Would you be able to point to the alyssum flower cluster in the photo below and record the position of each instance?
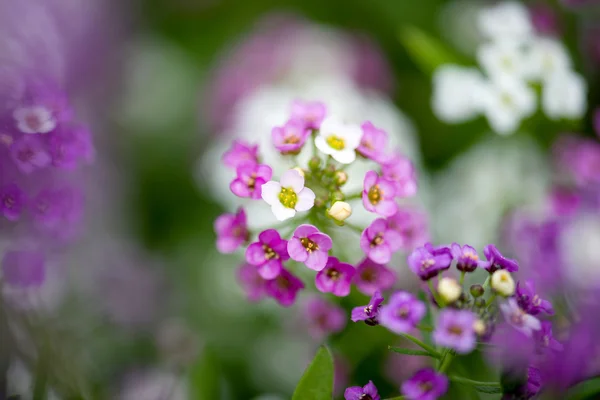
(313, 197)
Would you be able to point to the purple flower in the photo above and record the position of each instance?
(309, 246)
(58, 211)
(412, 226)
(534, 382)
(309, 113)
(23, 268)
(240, 153)
(401, 171)
(323, 318)
(68, 146)
(367, 392)
(249, 180)
(426, 384)
(466, 258)
(231, 230)
(373, 143)
(335, 278)
(402, 313)
(518, 318)
(427, 262)
(268, 253)
(529, 301)
(29, 154)
(284, 288)
(379, 241)
(545, 339)
(12, 201)
(498, 261)
(379, 194)
(371, 277)
(454, 329)
(369, 312)
(290, 138)
(251, 281)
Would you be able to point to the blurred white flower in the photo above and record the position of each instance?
(564, 95)
(504, 58)
(506, 102)
(448, 82)
(547, 56)
(505, 20)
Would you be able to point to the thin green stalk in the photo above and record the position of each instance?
(462, 277)
(41, 379)
(486, 283)
(446, 361)
(411, 352)
(434, 292)
(421, 344)
(354, 196)
(490, 300)
(460, 379)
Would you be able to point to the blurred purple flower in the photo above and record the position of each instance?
(323, 317)
(12, 201)
(30, 154)
(231, 230)
(518, 318)
(529, 301)
(454, 329)
(240, 153)
(290, 138)
(335, 278)
(400, 170)
(545, 339)
(498, 261)
(284, 288)
(369, 312)
(426, 384)
(367, 392)
(427, 262)
(22, 268)
(371, 277)
(251, 281)
(379, 241)
(402, 313)
(249, 180)
(308, 113)
(373, 143)
(412, 225)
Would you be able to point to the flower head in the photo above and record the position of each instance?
(369, 312)
(12, 201)
(379, 194)
(290, 138)
(506, 102)
(289, 196)
(367, 392)
(284, 288)
(35, 119)
(531, 302)
(373, 142)
(518, 318)
(402, 313)
(232, 231)
(400, 170)
(412, 226)
(498, 261)
(309, 246)
(22, 268)
(502, 283)
(251, 281)
(427, 262)
(335, 278)
(454, 329)
(29, 154)
(68, 146)
(371, 277)
(426, 384)
(449, 289)
(240, 153)
(379, 241)
(338, 140)
(323, 317)
(466, 258)
(545, 340)
(309, 113)
(340, 210)
(268, 253)
(250, 179)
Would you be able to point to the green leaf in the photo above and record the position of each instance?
(488, 389)
(589, 389)
(426, 51)
(317, 381)
(483, 387)
(204, 377)
(412, 352)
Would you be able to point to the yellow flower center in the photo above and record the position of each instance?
(377, 240)
(333, 274)
(455, 330)
(269, 253)
(336, 142)
(375, 194)
(291, 139)
(288, 197)
(309, 245)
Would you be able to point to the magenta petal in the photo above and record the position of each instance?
(353, 393)
(270, 237)
(228, 244)
(305, 230)
(377, 226)
(256, 193)
(370, 180)
(255, 254)
(365, 242)
(386, 208)
(387, 187)
(270, 269)
(367, 203)
(358, 314)
(380, 254)
(323, 283)
(322, 240)
(316, 260)
(223, 224)
(239, 188)
(297, 251)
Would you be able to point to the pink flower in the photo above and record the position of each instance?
(379, 195)
(284, 288)
(254, 285)
(290, 138)
(69, 146)
(310, 247)
(309, 113)
(12, 201)
(412, 226)
(268, 253)
(58, 211)
(379, 241)
(335, 278)
(373, 142)
(249, 180)
(29, 154)
(23, 268)
(371, 277)
(401, 171)
(240, 153)
(232, 231)
(323, 317)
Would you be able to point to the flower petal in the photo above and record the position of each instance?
(296, 250)
(306, 200)
(292, 179)
(345, 156)
(305, 230)
(281, 212)
(255, 254)
(270, 270)
(270, 192)
(323, 146)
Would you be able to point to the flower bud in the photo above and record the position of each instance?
(340, 210)
(449, 289)
(479, 327)
(477, 290)
(480, 302)
(300, 171)
(330, 170)
(340, 178)
(503, 283)
(314, 163)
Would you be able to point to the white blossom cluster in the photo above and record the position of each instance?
(516, 66)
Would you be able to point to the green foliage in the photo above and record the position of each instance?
(317, 381)
(425, 50)
(204, 377)
(412, 352)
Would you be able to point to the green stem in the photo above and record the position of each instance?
(462, 277)
(486, 283)
(434, 292)
(421, 344)
(353, 196)
(490, 300)
(41, 379)
(425, 328)
(460, 379)
(356, 228)
(446, 361)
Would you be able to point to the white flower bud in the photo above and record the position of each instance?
(340, 210)
(449, 289)
(503, 283)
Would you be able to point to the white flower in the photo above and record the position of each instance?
(508, 19)
(504, 58)
(449, 289)
(339, 140)
(456, 91)
(289, 196)
(503, 283)
(506, 102)
(340, 210)
(518, 318)
(547, 56)
(479, 327)
(564, 96)
(36, 119)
